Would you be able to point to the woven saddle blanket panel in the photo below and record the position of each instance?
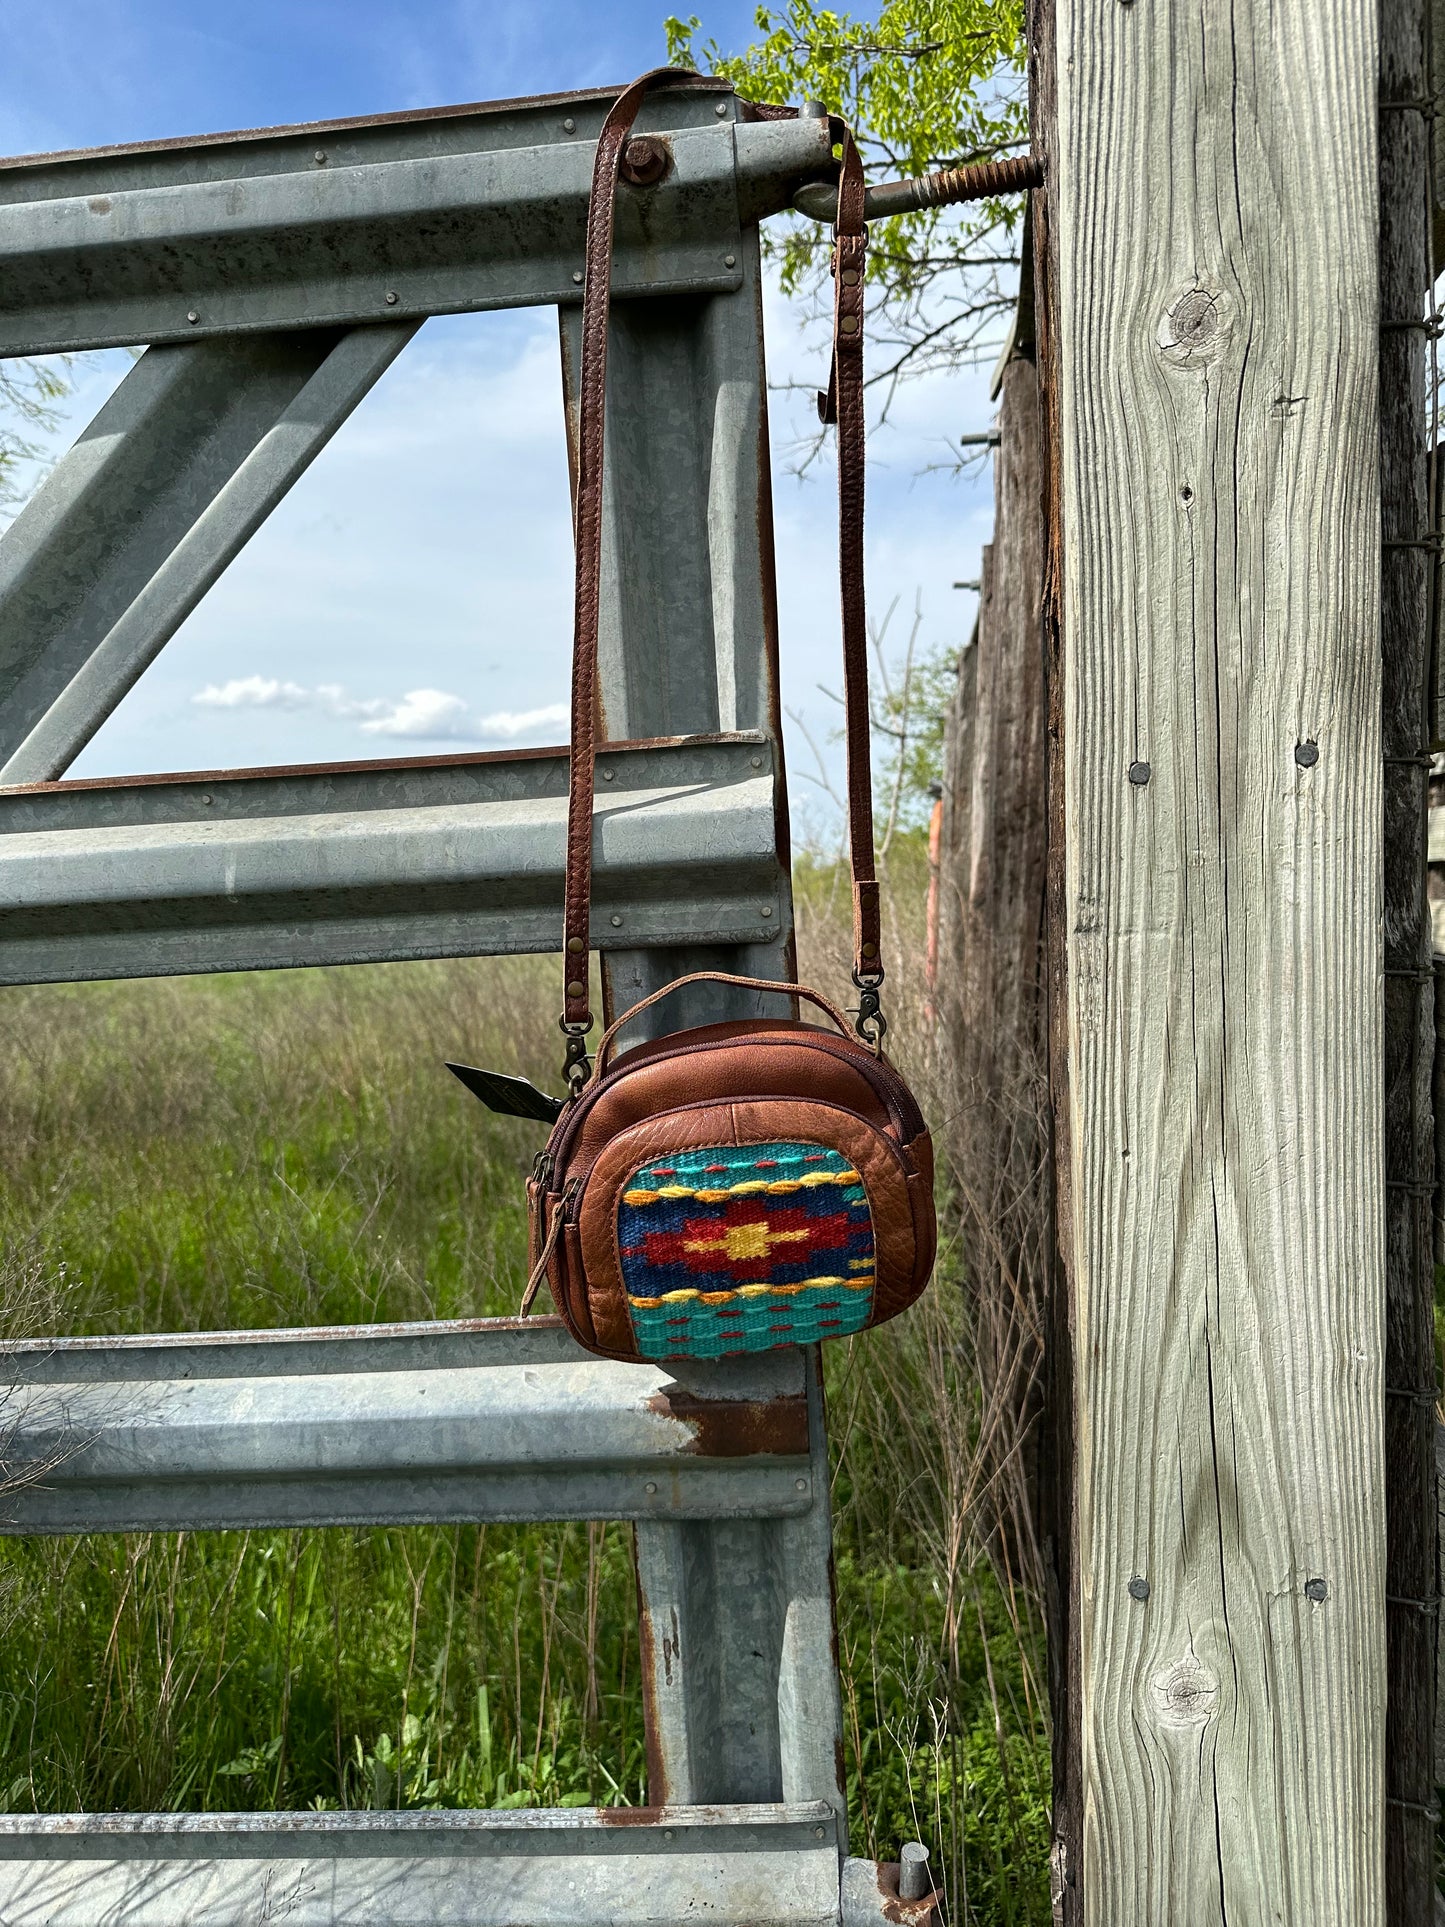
(743, 1248)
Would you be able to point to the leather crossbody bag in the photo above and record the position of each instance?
(742, 1186)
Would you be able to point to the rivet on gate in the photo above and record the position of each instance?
(569, 126)
(576, 990)
(730, 260)
(766, 911)
(574, 944)
(608, 775)
(756, 761)
(320, 157)
(192, 316)
(667, 1833)
(650, 1489)
(205, 799)
(820, 1833)
(800, 1485)
(617, 923)
(391, 297)
(720, 109)
(577, 276)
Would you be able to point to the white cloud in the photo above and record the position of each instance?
(254, 692)
(432, 714)
(425, 715)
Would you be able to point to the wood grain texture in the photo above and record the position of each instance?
(1215, 214)
(990, 993)
(1405, 569)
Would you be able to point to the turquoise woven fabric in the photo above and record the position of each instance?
(743, 1248)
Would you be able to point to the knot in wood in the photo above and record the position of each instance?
(1195, 325)
(1186, 1693)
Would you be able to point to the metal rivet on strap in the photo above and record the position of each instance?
(849, 324)
(574, 944)
(576, 990)
(850, 277)
(870, 950)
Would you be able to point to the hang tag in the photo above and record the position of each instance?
(511, 1096)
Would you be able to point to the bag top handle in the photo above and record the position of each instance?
(605, 1043)
(843, 404)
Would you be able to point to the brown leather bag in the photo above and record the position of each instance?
(735, 1187)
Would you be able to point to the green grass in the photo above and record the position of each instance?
(261, 1151)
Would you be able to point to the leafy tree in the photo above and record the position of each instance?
(926, 84)
(29, 393)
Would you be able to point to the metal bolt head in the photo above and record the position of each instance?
(609, 775)
(730, 260)
(720, 109)
(800, 1485)
(192, 316)
(205, 799)
(650, 1489)
(1317, 1590)
(820, 1833)
(577, 276)
(645, 160)
(569, 126)
(766, 911)
(320, 157)
(756, 761)
(616, 923)
(1138, 1588)
(1307, 754)
(391, 297)
(1139, 774)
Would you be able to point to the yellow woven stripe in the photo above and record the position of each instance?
(749, 1291)
(774, 1188)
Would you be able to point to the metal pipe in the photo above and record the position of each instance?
(914, 1879)
(979, 182)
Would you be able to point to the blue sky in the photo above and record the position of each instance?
(371, 582)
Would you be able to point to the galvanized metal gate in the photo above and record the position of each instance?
(276, 275)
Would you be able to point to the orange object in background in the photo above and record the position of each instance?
(935, 838)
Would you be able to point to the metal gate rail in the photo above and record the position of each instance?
(277, 275)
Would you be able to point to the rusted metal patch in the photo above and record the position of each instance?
(308, 129)
(903, 1913)
(725, 1428)
(630, 1816)
(646, 159)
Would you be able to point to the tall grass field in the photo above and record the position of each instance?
(287, 1149)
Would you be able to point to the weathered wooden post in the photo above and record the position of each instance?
(990, 996)
(1210, 273)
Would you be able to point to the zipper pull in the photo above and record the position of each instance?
(554, 1229)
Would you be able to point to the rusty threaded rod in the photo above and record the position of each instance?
(979, 182)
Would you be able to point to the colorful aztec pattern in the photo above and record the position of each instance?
(743, 1248)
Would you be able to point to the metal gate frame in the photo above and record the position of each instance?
(275, 276)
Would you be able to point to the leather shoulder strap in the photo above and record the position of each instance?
(846, 385)
(845, 405)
